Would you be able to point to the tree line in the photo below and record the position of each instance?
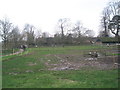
(68, 33)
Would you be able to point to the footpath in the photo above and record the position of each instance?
(20, 51)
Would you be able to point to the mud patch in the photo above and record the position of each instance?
(77, 62)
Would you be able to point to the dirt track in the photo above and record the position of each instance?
(15, 53)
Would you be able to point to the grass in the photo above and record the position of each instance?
(20, 71)
(63, 79)
(9, 51)
(12, 56)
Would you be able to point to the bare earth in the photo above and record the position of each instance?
(77, 62)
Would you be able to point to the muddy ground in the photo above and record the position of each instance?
(83, 61)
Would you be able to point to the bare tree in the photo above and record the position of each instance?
(114, 7)
(104, 24)
(5, 29)
(109, 12)
(63, 25)
(29, 29)
(77, 29)
(15, 37)
(38, 35)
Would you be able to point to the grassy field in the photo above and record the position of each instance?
(35, 68)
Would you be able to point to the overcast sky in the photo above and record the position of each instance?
(44, 14)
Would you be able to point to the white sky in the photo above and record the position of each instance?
(44, 14)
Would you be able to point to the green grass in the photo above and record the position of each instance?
(63, 79)
(116, 54)
(12, 56)
(9, 51)
(19, 73)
